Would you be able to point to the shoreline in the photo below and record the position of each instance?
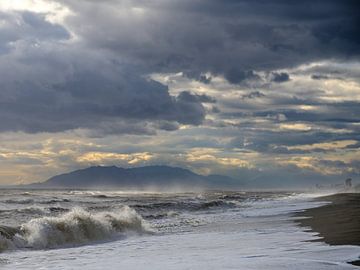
(337, 223)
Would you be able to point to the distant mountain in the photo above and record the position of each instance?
(149, 177)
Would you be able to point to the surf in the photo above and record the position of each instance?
(76, 227)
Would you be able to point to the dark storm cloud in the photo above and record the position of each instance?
(168, 126)
(319, 77)
(325, 77)
(51, 82)
(255, 94)
(237, 76)
(290, 106)
(321, 126)
(280, 77)
(274, 142)
(346, 111)
(88, 99)
(29, 25)
(198, 76)
(232, 38)
(50, 86)
(189, 97)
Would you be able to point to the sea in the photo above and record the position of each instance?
(88, 229)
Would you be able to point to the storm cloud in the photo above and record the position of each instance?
(232, 38)
(52, 85)
(59, 76)
(238, 87)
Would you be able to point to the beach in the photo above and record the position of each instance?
(337, 223)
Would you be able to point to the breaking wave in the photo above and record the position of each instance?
(73, 228)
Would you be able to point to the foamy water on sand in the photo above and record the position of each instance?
(112, 230)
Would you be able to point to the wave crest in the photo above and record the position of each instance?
(75, 227)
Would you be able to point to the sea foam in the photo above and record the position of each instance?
(74, 228)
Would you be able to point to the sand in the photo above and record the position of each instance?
(337, 223)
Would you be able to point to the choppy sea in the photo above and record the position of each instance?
(77, 229)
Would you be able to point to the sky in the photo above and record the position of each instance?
(267, 92)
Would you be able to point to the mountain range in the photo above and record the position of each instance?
(148, 177)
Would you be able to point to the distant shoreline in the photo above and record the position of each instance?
(337, 223)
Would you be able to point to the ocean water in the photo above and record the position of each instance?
(69, 229)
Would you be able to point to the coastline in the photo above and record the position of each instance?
(337, 223)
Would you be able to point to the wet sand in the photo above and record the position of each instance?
(337, 223)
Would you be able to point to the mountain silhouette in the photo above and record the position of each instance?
(159, 177)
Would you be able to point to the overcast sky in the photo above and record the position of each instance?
(264, 91)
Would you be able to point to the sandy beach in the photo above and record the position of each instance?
(337, 223)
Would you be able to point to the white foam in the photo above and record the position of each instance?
(270, 245)
(75, 227)
(259, 236)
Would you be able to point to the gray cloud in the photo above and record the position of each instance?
(254, 94)
(28, 27)
(60, 86)
(87, 99)
(93, 72)
(234, 38)
(198, 77)
(280, 77)
(51, 87)
(237, 76)
(319, 77)
(186, 96)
